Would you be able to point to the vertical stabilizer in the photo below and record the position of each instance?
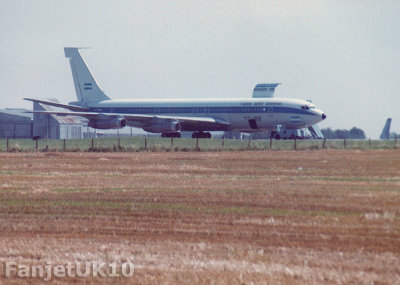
(385, 135)
(264, 90)
(86, 86)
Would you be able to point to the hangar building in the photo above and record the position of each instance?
(15, 123)
(56, 127)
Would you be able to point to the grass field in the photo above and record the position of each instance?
(278, 217)
(135, 144)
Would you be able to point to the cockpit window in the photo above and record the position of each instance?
(308, 107)
(305, 107)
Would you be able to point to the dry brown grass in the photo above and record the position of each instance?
(304, 217)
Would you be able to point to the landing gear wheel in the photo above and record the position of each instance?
(201, 135)
(171, 135)
(277, 137)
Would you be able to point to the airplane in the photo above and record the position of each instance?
(169, 117)
(385, 135)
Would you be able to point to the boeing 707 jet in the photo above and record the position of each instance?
(169, 117)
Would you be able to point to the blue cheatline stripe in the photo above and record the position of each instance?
(264, 89)
(199, 110)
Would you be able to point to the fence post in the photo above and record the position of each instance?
(64, 144)
(145, 143)
(344, 143)
(223, 142)
(395, 141)
(119, 143)
(37, 144)
(295, 143)
(248, 144)
(7, 144)
(270, 142)
(323, 144)
(172, 141)
(197, 143)
(369, 142)
(92, 143)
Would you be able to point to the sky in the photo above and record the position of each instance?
(342, 55)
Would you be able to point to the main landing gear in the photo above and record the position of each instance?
(171, 135)
(201, 135)
(275, 135)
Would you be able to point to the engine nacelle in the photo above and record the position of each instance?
(164, 127)
(116, 123)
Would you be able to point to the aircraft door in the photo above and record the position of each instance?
(270, 111)
(253, 124)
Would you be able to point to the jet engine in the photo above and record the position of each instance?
(163, 127)
(112, 123)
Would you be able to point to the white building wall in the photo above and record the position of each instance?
(71, 132)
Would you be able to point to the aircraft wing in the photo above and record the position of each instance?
(148, 120)
(87, 115)
(184, 120)
(69, 107)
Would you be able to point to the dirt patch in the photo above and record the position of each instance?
(301, 217)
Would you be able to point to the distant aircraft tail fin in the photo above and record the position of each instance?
(264, 90)
(86, 86)
(385, 135)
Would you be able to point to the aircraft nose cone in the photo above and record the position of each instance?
(323, 116)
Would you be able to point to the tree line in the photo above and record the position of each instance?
(353, 133)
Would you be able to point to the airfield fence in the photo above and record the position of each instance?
(134, 144)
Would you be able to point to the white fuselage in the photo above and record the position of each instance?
(168, 117)
(244, 115)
